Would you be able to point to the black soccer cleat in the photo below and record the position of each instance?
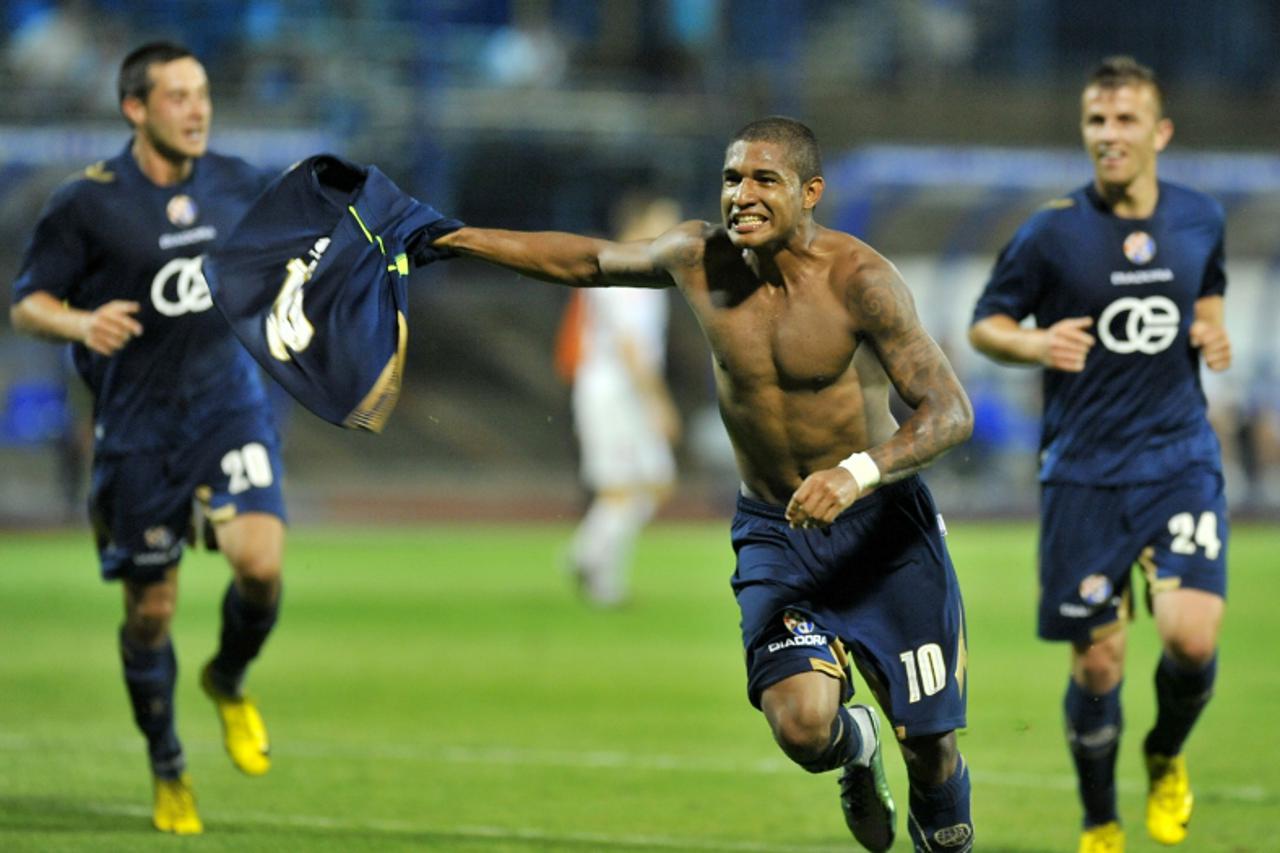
(865, 798)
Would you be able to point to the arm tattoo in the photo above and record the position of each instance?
(942, 416)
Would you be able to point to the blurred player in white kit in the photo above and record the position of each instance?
(625, 419)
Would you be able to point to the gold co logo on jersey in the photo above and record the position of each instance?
(287, 326)
(181, 210)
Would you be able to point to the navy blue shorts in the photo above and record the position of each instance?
(878, 583)
(141, 503)
(1091, 536)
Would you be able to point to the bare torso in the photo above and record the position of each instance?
(799, 389)
(807, 337)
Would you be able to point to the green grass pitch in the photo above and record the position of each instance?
(441, 688)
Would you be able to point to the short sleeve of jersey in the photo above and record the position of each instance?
(56, 256)
(1016, 281)
(1215, 274)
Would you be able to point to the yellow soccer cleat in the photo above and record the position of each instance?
(1169, 798)
(243, 731)
(175, 807)
(1103, 838)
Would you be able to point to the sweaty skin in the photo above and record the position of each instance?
(808, 327)
(803, 363)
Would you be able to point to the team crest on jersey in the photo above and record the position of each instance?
(1139, 248)
(1095, 589)
(796, 623)
(181, 210)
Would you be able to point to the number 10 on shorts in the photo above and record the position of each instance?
(926, 670)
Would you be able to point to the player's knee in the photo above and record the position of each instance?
(931, 759)
(258, 581)
(1099, 667)
(804, 733)
(254, 546)
(1099, 677)
(1193, 651)
(147, 623)
(255, 567)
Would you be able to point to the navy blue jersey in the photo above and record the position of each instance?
(110, 233)
(1136, 413)
(314, 283)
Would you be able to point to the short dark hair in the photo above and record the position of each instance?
(799, 141)
(1116, 71)
(134, 79)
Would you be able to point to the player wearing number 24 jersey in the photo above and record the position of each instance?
(1136, 414)
(114, 268)
(1125, 279)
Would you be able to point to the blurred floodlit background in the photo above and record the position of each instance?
(944, 124)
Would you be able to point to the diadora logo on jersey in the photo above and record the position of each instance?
(799, 640)
(179, 288)
(1139, 248)
(1155, 276)
(287, 325)
(181, 210)
(176, 239)
(796, 623)
(1131, 324)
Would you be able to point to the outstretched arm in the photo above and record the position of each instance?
(571, 259)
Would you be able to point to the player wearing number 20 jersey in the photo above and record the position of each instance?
(110, 233)
(184, 395)
(114, 268)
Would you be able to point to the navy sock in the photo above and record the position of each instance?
(940, 815)
(1181, 695)
(842, 748)
(245, 626)
(1094, 724)
(150, 675)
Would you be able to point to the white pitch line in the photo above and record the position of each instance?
(588, 760)
(590, 840)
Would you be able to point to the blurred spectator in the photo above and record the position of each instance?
(525, 56)
(61, 55)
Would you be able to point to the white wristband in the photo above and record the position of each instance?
(864, 470)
